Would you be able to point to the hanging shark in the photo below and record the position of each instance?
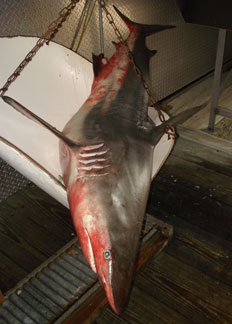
(106, 156)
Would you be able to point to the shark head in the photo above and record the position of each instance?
(107, 198)
(105, 234)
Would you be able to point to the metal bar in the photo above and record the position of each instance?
(217, 77)
(79, 265)
(21, 316)
(43, 299)
(101, 27)
(54, 286)
(28, 310)
(50, 294)
(8, 316)
(223, 111)
(85, 279)
(83, 14)
(66, 285)
(37, 305)
(66, 275)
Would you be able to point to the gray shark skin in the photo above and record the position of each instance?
(108, 176)
(106, 155)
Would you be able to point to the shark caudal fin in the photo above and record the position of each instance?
(146, 29)
(29, 114)
(173, 121)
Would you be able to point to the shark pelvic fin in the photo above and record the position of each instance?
(29, 114)
(146, 29)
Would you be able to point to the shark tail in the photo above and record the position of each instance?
(146, 29)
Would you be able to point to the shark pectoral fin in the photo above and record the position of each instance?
(29, 114)
(147, 29)
(156, 133)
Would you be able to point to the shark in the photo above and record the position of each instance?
(106, 156)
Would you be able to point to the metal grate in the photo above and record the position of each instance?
(10, 181)
(184, 53)
(59, 282)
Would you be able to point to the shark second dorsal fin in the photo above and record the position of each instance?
(29, 114)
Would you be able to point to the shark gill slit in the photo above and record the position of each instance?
(94, 160)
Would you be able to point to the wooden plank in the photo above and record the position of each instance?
(213, 297)
(224, 129)
(184, 284)
(199, 206)
(187, 291)
(143, 307)
(200, 249)
(19, 255)
(201, 119)
(45, 202)
(206, 179)
(224, 111)
(199, 94)
(214, 145)
(52, 215)
(33, 226)
(8, 280)
(22, 222)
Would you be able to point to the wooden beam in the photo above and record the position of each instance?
(205, 139)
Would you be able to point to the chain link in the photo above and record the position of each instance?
(168, 129)
(51, 32)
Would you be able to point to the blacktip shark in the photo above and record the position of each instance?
(106, 155)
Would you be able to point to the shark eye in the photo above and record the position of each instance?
(107, 254)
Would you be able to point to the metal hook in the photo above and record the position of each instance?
(101, 27)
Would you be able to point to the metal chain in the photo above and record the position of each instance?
(168, 129)
(53, 29)
(51, 32)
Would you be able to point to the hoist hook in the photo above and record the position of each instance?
(101, 27)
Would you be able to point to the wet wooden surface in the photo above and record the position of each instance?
(189, 282)
(33, 226)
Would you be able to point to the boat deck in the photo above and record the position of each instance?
(191, 280)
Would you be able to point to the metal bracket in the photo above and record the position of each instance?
(217, 87)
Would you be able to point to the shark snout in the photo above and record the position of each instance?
(114, 275)
(115, 280)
